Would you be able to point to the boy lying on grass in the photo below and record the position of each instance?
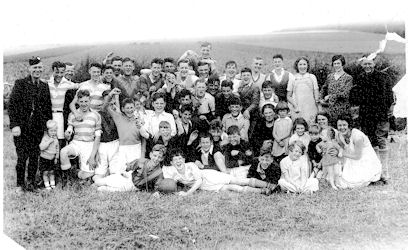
(191, 176)
(142, 174)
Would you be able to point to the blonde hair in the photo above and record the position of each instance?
(52, 124)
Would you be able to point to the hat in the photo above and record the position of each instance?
(281, 106)
(34, 60)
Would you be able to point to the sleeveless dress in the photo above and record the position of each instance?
(303, 88)
(361, 172)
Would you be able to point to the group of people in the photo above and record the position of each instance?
(184, 125)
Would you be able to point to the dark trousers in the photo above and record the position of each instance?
(376, 131)
(27, 148)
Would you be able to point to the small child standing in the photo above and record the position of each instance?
(281, 132)
(314, 156)
(295, 171)
(49, 154)
(331, 163)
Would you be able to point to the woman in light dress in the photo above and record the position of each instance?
(303, 92)
(361, 165)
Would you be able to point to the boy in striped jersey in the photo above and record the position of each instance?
(95, 88)
(86, 139)
(59, 85)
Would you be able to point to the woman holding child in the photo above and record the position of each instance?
(361, 164)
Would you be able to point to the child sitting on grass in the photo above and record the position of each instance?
(191, 176)
(238, 153)
(266, 169)
(331, 164)
(295, 171)
(49, 154)
(143, 174)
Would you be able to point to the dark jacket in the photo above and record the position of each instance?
(373, 93)
(272, 173)
(30, 106)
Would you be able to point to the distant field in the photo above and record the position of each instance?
(330, 42)
(319, 46)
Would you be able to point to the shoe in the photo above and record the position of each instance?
(48, 188)
(266, 191)
(31, 188)
(277, 189)
(377, 183)
(19, 190)
(384, 181)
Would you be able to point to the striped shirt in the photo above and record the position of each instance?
(96, 91)
(85, 129)
(57, 92)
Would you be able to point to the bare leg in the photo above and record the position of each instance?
(52, 179)
(46, 180)
(241, 189)
(330, 176)
(337, 170)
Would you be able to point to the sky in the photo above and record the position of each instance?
(50, 22)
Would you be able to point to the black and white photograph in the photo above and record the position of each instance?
(204, 124)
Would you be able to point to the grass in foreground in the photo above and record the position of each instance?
(372, 217)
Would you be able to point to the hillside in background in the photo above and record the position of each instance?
(379, 27)
(317, 45)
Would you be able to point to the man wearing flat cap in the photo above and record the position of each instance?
(29, 110)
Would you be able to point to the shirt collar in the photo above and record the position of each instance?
(210, 151)
(236, 118)
(286, 118)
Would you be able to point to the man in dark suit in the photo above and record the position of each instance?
(29, 110)
(372, 94)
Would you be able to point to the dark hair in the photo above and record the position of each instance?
(184, 93)
(205, 134)
(234, 100)
(339, 57)
(346, 117)
(233, 130)
(57, 65)
(227, 83)
(322, 113)
(231, 62)
(126, 101)
(278, 56)
(107, 67)
(176, 152)
(128, 59)
(158, 95)
(213, 79)
(268, 105)
(215, 124)
(96, 65)
(246, 69)
(297, 143)
(268, 84)
(202, 63)
(83, 93)
(169, 59)
(295, 66)
(300, 121)
(116, 58)
(186, 107)
(157, 61)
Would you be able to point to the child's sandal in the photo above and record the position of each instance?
(52, 186)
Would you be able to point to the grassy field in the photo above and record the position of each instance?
(375, 217)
